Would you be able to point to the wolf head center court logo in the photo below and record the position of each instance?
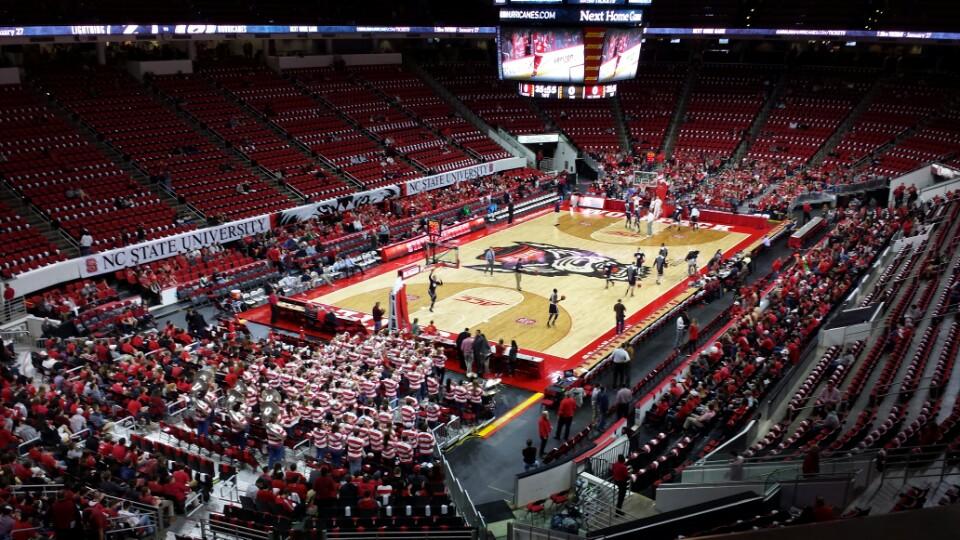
(548, 260)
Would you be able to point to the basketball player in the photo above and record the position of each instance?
(664, 251)
(628, 214)
(640, 258)
(677, 215)
(652, 216)
(432, 289)
(692, 263)
(518, 272)
(609, 275)
(490, 256)
(656, 206)
(660, 263)
(632, 274)
(554, 311)
(695, 218)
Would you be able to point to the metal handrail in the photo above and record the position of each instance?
(216, 530)
(526, 531)
(461, 499)
(12, 310)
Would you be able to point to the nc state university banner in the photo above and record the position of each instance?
(154, 250)
(449, 178)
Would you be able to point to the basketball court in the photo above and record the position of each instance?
(566, 251)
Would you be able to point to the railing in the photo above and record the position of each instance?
(898, 467)
(17, 335)
(461, 499)
(25, 446)
(761, 468)
(38, 489)
(152, 514)
(599, 464)
(449, 432)
(596, 499)
(214, 530)
(398, 535)
(228, 491)
(853, 483)
(12, 310)
(525, 531)
(149, 526)
(731, 442)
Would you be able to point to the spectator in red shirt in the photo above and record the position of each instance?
(543, 427)
(621, 477)
(367, 502)
(822, 511)
(119, 451)
(96, 518)
(8, 295)
(325, 488)
(64, 518)
(565, 417)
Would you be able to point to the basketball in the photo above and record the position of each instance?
(563, 297)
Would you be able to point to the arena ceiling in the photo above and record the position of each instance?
(843, 14)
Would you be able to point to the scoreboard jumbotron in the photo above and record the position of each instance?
(569, 49)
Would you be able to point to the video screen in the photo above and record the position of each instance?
(541, 55)
(621, 54)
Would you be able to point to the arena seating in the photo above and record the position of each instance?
(234, 123)
(394, 127)
(890, 113)
(318, 125)
(23, 248)
(649, 102)
(71, 299)
(52, 166)
(937, 139)
(413, 95)
(163, 146)
(732, 386)
(882, 406)
(723, 103)
(360, 409)
(590, 125)
(813, 104)
(496, 102)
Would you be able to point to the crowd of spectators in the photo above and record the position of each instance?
(722, 385)
(71, 299)
(365, 404)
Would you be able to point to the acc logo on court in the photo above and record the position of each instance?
(479, 301)
(526, 321)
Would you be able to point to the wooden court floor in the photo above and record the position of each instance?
(564, 251)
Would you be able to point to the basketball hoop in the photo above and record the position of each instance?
(440, 254)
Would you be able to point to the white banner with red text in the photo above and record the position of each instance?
(449, 178)
(161, 248)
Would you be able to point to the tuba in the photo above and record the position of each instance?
(201, 382)
(269, 412)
